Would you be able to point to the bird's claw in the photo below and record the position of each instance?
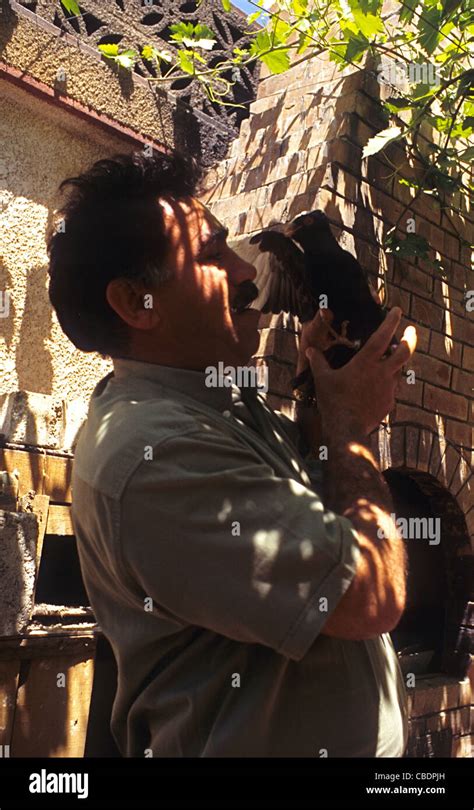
(341, 339)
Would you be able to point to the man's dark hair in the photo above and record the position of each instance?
(112, 227)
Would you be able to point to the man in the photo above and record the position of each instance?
(247, 592)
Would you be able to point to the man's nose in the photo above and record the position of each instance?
(241, 271)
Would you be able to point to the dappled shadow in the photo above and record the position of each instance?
(33, 357)
(7, 321)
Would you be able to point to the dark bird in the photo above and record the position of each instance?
(301, 268)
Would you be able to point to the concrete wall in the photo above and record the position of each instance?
(49, 131)
(301, 149)
(39, 150)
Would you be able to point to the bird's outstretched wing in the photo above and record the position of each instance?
(280, 279)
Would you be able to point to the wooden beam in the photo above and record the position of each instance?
(45, 474)
(9, 671)
(48, 643)
(53, 701)
(59, 521)
(40, 509)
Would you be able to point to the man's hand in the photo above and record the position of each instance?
(314, 334)
(361, 393)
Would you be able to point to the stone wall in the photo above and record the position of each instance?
(301, 149)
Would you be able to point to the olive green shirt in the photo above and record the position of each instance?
(212, 566)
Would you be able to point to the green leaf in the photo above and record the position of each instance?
(261, 42)
(126, 59)
(110, 50)
(407, 10)
(468, 154)
(185, 61)
(193, 36)
(151, 53)
(366, 6)
(226, 5)
(466, 83)
(181, 30)
(403, 181)
(276, 61)
(381, 140)
(280, 31)
(412, 246)
(450, 6)
(429, 25)
(71, 7)
(368, 24)
(203, 38)
(395, 103)
(303, 43)
(423, 91)
(356, 47)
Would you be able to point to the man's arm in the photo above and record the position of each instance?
(351, 402)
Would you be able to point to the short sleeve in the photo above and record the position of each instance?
(215, 538)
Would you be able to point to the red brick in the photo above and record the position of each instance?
(445, 402)
(451, 247)
(437, 451)
(412, 438)
(342, 151)
(426, 312)
(449, 464)
(399, 298)
(468, 358)
(463, 382)
(410, 393)
(418, 416)
(397, 446)
(465, 495)
(436, 238)
(424, 449)
(279, 344)
(466, 255)
(279, 378)
(431, 369)
(413, 278)
(460, 432)
(462, 328)
(458, 274)
(446, 348)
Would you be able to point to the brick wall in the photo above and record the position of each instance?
(300, 149)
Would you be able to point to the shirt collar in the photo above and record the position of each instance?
(185, 381)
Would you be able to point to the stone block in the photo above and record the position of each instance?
(30, 418)
(18, 540)
(74, 415)
(40, 420)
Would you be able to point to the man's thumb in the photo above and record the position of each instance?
(317, 360)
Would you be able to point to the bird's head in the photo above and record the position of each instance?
(307, 225)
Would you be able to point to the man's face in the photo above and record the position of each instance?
(196, 321)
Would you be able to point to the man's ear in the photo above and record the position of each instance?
(133, 302)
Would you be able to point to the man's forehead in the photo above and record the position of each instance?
(192, 215)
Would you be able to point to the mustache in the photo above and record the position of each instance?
(246, 293)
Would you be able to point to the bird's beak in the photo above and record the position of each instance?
(246, 293)
(290, 230)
